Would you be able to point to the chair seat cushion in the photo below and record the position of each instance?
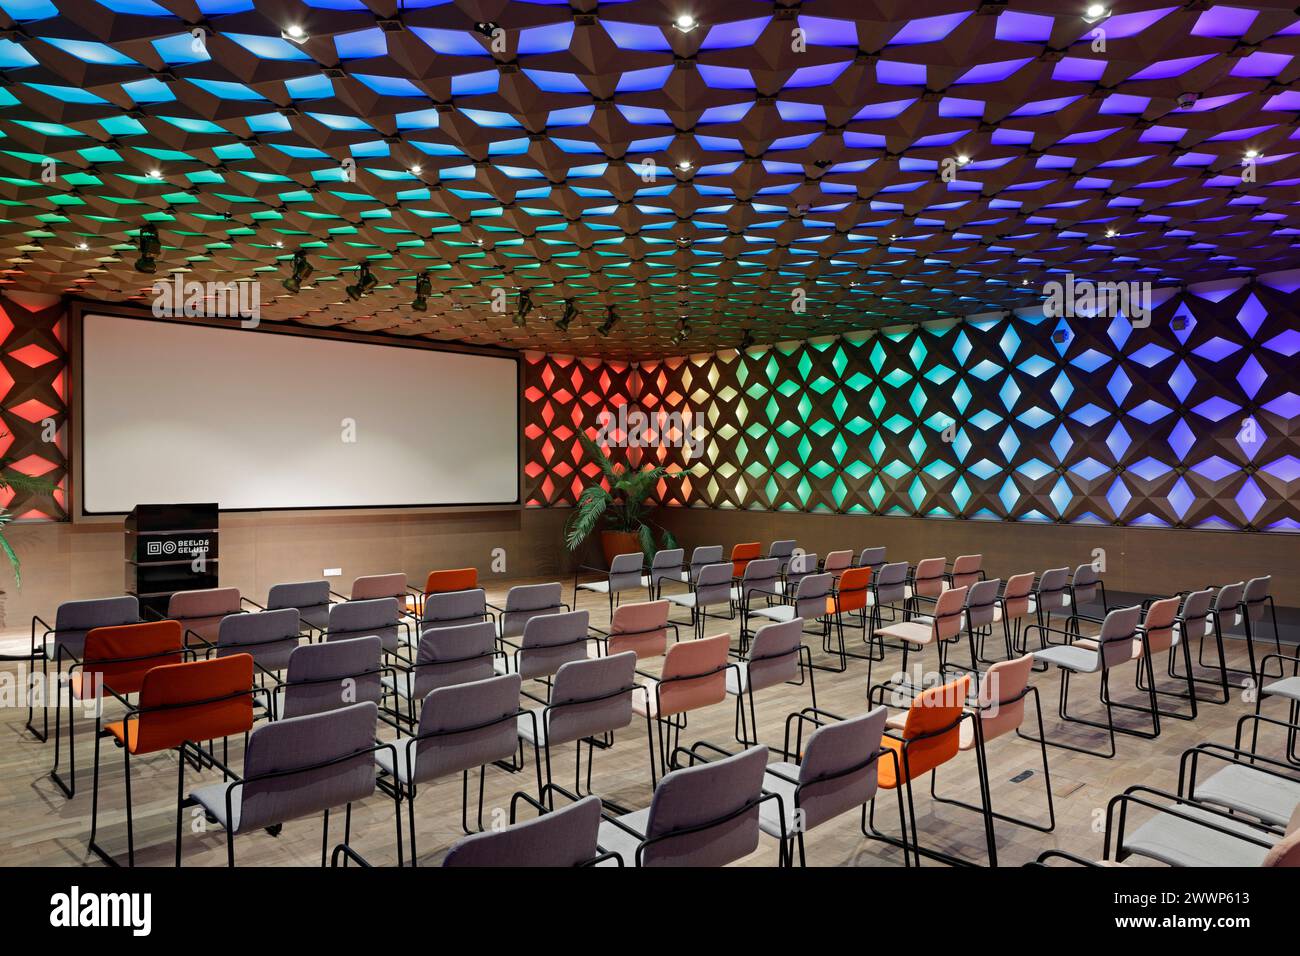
(684, 600)
(1179, 842)
(600, 587)
(212, 798)
(913, 632)
(1288, 687)
(1252, 791)
(613, 839)
(769, 818)
(777, 612)
(738, 678)
(1077, 659)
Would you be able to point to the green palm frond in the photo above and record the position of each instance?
(26, 484)
(591, 506)
(8, 549)
(599, 457)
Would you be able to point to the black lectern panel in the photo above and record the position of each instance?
(170, 548)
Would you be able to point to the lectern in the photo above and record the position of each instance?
(170, 548)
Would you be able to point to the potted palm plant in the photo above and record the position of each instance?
(11, 480)
(621, 508)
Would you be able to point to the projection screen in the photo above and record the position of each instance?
(256, 420)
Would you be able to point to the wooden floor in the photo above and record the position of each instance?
(38, 826)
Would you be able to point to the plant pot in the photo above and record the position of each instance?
(614, 543)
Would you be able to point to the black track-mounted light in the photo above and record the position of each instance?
(302, 270)
(149, 246)
(365, 283)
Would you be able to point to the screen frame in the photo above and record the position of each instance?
(80, 309)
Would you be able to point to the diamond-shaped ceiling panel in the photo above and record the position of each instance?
(754, 172)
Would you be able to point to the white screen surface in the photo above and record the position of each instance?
(256, 420)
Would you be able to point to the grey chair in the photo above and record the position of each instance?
(445, 656)
(380, 617)
(1085, 588)
(705, 815)
(1113, 646)
(66, 641)
(834, 772)
(624, 575)
(324, 677)
(782, 550)
(837, 562)
(524, 602)
(590, 699)
(978, 617)
(808, 602)
(711, 588)
(873, 558)
(799, 566)
(549, 641)
(1255, 602)
(1050, 595)
(776, 656)
(759, 586)
(701, 558)
(556, 838)
(666, 565)
(453, 609)
(270, 637)
(463, 727)
(295, 768)
(311, 599)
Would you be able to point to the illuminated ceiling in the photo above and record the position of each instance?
(603, 153)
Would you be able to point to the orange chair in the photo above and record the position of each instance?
(115, 658)
(927, 736)
(443, 582)
(852, 595)
(741, 555)
(694, 676)
(180, 706)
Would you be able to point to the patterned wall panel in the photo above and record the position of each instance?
(1192, 421)
(33, 399)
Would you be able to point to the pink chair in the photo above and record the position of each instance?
(371, 586)
(966, 570)
(200, 613)
(642, 627)
(694, 676)
(944, 624)
(927, 581)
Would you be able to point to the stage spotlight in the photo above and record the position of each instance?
(149, 246)
(611, 319)
(365, 283)
(683, 330)
(423, 286)
(570, 313)
(302, 270)
(525, 306)
(746, 340)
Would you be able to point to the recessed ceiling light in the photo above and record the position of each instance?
(963, 159)
(1252, 153)
(1110, 233)
(1095, 11)
(686, 23)
(155, 174)
(416, 169)
(82, 246)
(295, 32)
(684, 165)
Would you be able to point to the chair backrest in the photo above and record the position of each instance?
(453, 655)
(811, 593)
(713, 586)
(838, 561)
(932, 727)
(1084, 584)
(838, 769)
(891, 583)
(760, 578)
(591, 697)
(774, 654)
(947, 613)
(742, 554)
(323, 677)
(855, 583)
(694, 675)
(551, 640)
(981, 601)
(453, 579)
(798, 567)
(1196, 606)
(377, 617)
(703, 556)
(306, 765)
(966, 569)
(1118, 631)
(1255, 596)
(625, 571)
(782, 551)
(270, 636)
(368, 587)
(311, 599)
(453, 609)
(1285, 852)
(1227, 599)
(1001, 696)
(474, 724)
(562, 837)
(1015, 597)
(195, 701)
(873, 558)
(1052, 589)
(75, 619)
(1159, 624)
(706, 815)
(201, 611)
(666, 564)
(641, 628)
(927, 579)
(122, 654)
(525, 601)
